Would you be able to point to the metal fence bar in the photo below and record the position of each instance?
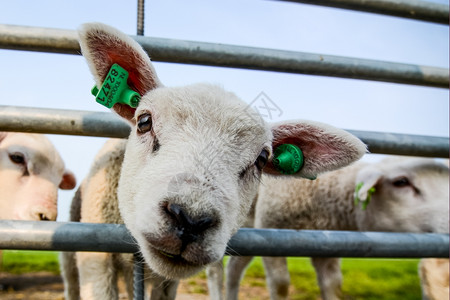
(412, 9)
(60, 121)
(138, 277)
(140, 17)
(190, 52)
(63, 236)
(102, 124)
(404, 144)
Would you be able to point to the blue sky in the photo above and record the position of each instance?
(64, 81)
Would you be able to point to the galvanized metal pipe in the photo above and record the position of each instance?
(276, 242)
(62, 236)
(140, 17)
(412, 9)
(71, 122)
(189, 52)
(404, 144)
(138, 277)
(59, 121)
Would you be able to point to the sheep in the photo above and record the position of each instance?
(185, 179)
(434, 278)
(31, 171)
(406, 195)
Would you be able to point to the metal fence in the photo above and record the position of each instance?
(115, 238)
(189, 52)
(70, 236)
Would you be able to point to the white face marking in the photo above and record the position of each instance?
(205, 164)
(30, 173)
(206, 138)
(411, 196)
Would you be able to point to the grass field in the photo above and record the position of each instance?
(19, 262)
(363, 278)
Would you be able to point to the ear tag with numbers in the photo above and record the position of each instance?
(115, 89)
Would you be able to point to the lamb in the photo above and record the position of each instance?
(31, 171)
(434, 278)
(185, 179)
(406, 195)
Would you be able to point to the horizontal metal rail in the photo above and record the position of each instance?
(404, 144)
(102, 124)
(190, 52)
(60, 121)
(412, 9)
(66, 236)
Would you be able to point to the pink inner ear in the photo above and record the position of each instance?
(68, 181)
(125, 111)
(110, 50)
(3, 135)
(135, 80)
(307, 138)
(324, 148)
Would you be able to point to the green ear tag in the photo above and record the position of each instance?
(369, 196)
(288, 159)
(115, 89)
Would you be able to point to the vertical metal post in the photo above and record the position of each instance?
(138, 268)
(140, 17)
(138, 277)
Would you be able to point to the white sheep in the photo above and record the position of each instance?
(31, 171)
(406, 195)
(191, 168)
(434, 278)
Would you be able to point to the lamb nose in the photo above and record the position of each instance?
(186, 228)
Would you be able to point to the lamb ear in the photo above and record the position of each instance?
(325, 148)
(68, 181)
(365, 183)
(102, 46)
(3, 135)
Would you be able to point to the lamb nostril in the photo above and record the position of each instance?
(204, 224)
(178, 214)
(186, 228)
(43, 217)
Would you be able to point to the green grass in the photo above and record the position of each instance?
(363, 278)
(19, 262)
(381, 279)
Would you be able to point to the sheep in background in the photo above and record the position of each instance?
(434, 278)
(31, 171)
(406, 195)
(191, 168)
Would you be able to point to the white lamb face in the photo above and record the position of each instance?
(201, 155)
(31, 170)
(411, 195)
(195, 156)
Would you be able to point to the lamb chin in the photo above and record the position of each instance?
(170, 266)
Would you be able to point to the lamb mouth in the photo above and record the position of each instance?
(169, 257)
(188, 256)
(167, 254)
(173, 257)
(176, 259)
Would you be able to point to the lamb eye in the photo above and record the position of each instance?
(401, 182)
(144, 123)
(17, 158)
(262, 159)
